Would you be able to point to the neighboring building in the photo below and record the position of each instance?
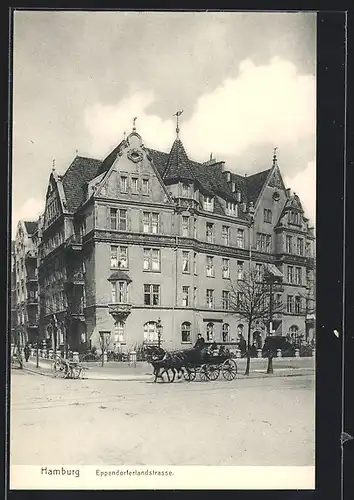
(25, 296)
(145, 234)
(13, 295)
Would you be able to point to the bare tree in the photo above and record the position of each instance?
(251, 298)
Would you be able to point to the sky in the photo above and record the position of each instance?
(246, 83)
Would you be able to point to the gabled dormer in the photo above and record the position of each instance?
(55, 203)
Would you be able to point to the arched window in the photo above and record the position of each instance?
(186, 331)
(240, 329)
(210, 332)
(226, 332)
(150, 332)
(257, 339)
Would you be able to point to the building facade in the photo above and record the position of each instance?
(24, 298)
(146, 235)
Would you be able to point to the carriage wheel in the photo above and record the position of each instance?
(229, 369)
(189, 374)
(76, 372)
(203, 373)
(57, 368)
(213, 372)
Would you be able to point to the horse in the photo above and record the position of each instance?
(155, 356)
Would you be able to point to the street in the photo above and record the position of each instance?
(260, 421)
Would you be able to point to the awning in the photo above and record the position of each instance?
(274, 271)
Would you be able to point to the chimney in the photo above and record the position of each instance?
(211, 160)
(228, 176)
(233, 187)
(288, 192)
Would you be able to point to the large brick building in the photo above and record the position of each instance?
(146, 234)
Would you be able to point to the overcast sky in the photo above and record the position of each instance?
(246, 83)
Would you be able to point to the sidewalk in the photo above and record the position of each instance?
(119, 371)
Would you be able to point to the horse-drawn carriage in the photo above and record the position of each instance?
(191, 362)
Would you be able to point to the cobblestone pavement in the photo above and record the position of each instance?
(96, 422)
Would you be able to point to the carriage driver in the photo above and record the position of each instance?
(200, 342)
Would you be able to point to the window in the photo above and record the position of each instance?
(195, 228)
(186, 331)
(293, 331)
(288, 242)
(231, 208)
(290, 304)
(240, 269)
(123, 184)
(185, 296)
(210, 266)
(226, 332)
(210, 298)
(118, 219)
(240, 298)
(263, 242)
(119, 292)
(195, 264)
(152, 295)
(267, 215)
(290, 274)
(145, 186)
(185, 189)
(278, 300)
(135, 184)
(259, 271)
(297, 304)
(226, 268)
(208, 204)
(150, 222)
(150, 332)
(119, 257)
(185, 262)
(298, 276)
(185, 225)
(240, 241)
(300, 246)
(151, 259)
(226, 235)
(195, 296)
(210, 232)
(294, 218)
(210, 332)
(119, 331)
(225, 299)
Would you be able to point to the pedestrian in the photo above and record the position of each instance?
(242, 345)
(27, 352)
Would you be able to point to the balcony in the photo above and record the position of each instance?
(31, 255)
(74, 243)
(119, 311)
(32, 301)
(32, 279)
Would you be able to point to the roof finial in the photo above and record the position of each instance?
(134, 120)
(177, 115)
(275, 160)
(211, 156)
(53, 168)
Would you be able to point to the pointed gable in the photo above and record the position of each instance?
(30, 226)
(255, 184)
(178, 166)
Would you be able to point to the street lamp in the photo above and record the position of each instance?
(159, 332)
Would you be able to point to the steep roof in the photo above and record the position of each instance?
(81, 171)
(30, 226)
(178, 166)
(255, 184)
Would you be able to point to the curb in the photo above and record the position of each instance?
(141, 378)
